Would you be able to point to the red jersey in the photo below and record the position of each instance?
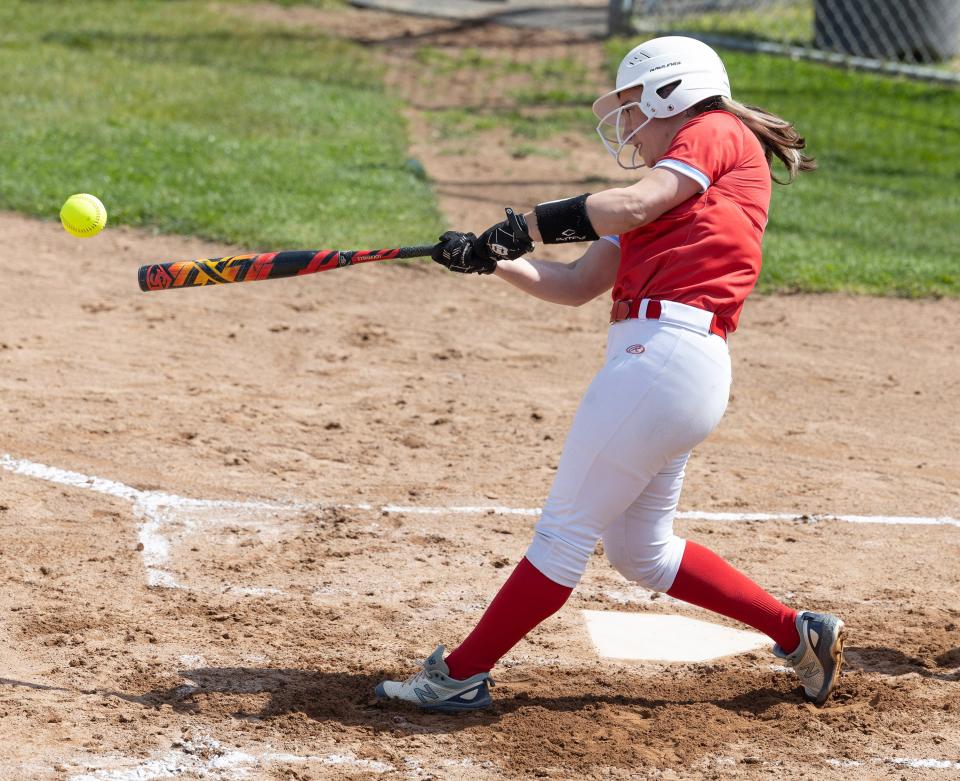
(706, 251)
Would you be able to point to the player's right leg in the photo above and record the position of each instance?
(819, 656)
(642, 546)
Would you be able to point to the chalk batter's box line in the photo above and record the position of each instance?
(159, 510)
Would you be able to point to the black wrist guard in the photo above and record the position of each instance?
(565, 220)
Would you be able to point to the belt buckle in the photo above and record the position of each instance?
(620, 310)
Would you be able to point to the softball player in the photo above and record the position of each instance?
(681, 251)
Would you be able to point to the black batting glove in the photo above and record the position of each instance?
(506, 240)
(458, 252)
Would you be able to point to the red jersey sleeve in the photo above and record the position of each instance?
(705, 148)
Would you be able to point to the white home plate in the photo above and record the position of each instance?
(666, 638)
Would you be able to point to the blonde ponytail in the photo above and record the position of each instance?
(778, 136)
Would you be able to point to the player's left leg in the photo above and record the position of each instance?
(526, 599)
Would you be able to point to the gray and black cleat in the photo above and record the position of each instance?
(819, 657)
(433, 689)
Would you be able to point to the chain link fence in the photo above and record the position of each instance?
(528, 70)
(914, 37)
(499, 94)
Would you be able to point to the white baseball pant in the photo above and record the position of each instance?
(662, 390)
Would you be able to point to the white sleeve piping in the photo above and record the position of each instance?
(615, 240)
(687, 170)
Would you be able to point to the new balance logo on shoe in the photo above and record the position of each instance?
(427, 693)
(808, 670)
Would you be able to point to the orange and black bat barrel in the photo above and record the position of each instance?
(269, 265)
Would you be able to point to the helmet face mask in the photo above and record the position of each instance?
(675, 72)
(618, 127)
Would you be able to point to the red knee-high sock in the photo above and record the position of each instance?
(527, 598)
(706, 580)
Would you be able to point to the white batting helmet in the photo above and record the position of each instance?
(695, 67)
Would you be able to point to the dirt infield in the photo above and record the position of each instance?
(225, 514)
(275, 611)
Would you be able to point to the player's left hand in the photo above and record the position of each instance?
(506, 240)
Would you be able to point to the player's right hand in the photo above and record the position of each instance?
(458, 252)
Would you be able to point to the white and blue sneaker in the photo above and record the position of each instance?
(433, 689)
(819, 657)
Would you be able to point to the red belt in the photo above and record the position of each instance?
(627, 308)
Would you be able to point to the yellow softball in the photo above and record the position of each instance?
(83, 215)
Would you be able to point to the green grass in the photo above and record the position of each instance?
(442, 62)
(531, 99)
(790, 22)
(537, 150)
(196, 122)
(446, 61)
(523, 123)
(314, 3)
(548, 82)
(880, 215)
(189, 120)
